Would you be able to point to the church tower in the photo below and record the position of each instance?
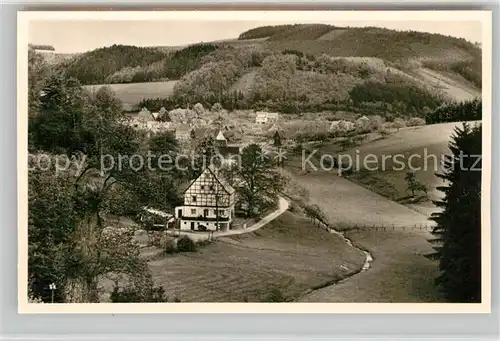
(220, 140)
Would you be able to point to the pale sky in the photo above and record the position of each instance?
(84, 35)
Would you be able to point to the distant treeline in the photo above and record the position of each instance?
(236, 100)
(131, 64)
(288, 32)
(230, 101)
(96, 66)
(456, 112)
(41, 47)
(264, 31)
(415, 98)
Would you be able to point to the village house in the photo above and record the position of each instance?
(142, 119)
(341, 126)
(162, 112)
(266, 117)
(362, 122)
(156, 127)
(208, 204)
(144, 116)
(157, 218)
(145, 120)
(183, 132)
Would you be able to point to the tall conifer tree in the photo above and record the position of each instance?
(458, 230)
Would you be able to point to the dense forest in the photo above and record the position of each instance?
(95, 66)
(414, 98)
(131, 64)
(456, 112)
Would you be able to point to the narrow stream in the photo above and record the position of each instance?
(365, 267)
(368, 255)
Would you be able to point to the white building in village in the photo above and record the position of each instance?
(266, 117)
(208, 204)
(341, 126)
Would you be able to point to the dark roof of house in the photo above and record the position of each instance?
(228, 150)
(217, 176)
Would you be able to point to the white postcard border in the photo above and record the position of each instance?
(303, 16)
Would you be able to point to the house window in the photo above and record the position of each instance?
(193, 198)
(193, 211)
(221, 213)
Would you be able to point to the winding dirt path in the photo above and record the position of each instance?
(283, 205)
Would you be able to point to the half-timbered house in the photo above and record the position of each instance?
(208, 204)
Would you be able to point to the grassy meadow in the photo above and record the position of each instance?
(289, 255)
(132, 93)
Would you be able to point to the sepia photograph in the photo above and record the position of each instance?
(332, 161)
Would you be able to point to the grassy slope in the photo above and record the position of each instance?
(426, 140)
(289, 253)
(348, 204)
(454, 86)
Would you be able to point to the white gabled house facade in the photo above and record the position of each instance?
(266, 117)
(208, 204)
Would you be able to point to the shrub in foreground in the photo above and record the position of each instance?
(186, 244)
(169, 246)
